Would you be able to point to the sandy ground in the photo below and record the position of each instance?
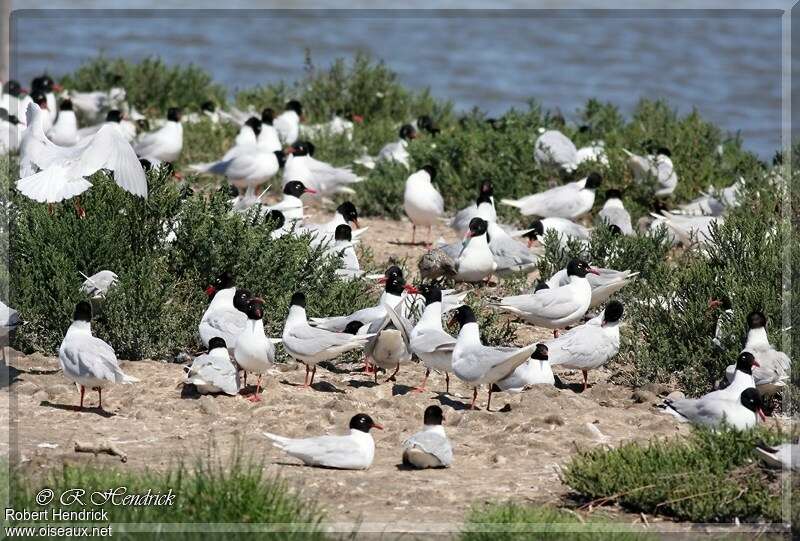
(508, 455)
(500, 455)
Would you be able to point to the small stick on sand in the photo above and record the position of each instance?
(97, 448)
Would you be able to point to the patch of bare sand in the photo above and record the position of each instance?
(499, 456)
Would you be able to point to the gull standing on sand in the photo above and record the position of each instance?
(86, 360)
(536, 371)
(221, 318)
(739, 412)
(394, 287)
(164, 144)
(570, 201)
(310, 345)
(554, 308)
(213, 372)
(355, 451)
(254, 351)
(476, 364)
(422, 202)
(476, 261)
(614, 212)
(429, 448)
(390, 345)
(429, 341)
(590, 345)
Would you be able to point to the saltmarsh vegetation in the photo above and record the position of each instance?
(208, 494)
(167, 248)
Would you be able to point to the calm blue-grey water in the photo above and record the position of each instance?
(725, 64)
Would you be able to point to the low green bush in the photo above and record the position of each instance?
(154, 310)
(151, 85)
(507, 522)
(708, 477)
(208, 493)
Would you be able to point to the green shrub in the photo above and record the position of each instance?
(155, 308)
(508, 522)
(709, 477)
(206, 494)
(151, 85)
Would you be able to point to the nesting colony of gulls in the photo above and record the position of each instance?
(57, 158)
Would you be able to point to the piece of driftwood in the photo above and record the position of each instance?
(97, 448)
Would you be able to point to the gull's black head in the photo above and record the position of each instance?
(174, 114)
(364, 423)
(208, 106)
(275, 219)
(613, 312)
(343, 232)
(663, 151)
(295, 106)
(745, 362)
(255, 308)
(540, 353)
(281, 156)
(477, 227)
(426, 124)
(43, 83)
(267, 116)
(431, 170)
(349, 212)
(39, 99)
(613, 193)
(295, 188)
(579, 268)
(536, 231)
(66, 105)
(463, 315)
(299, 299)
(241, 299)
(433, 416)
(751, 400)
(83, 312)
(431, 292)
(541, 285)
(393, 271)
(615, 230)
(352, 327)
(407, 132)
(756, 320)
(114, 115)
(302, 148)
(593, 180)
(12, 88)
(485, 192)
(217, 342)
(255, 124)
(223, 281)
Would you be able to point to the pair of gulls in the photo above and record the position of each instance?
(760, 370)
(429, 448)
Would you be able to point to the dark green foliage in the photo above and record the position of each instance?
(208, 493)
(151, 85)
(711, 477)
(155, 309)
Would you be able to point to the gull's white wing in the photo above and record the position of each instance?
(108, 149)
(54, 184)
(432, 341)
(90, 356)
(309, 341)
(330, 451)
